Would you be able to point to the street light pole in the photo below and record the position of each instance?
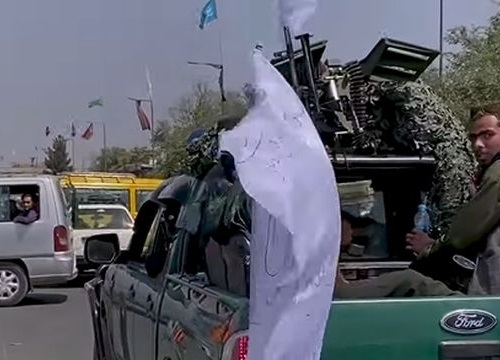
(219, 67)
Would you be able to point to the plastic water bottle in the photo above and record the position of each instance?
(422, 220)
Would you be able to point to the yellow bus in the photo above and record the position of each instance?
(125, 188)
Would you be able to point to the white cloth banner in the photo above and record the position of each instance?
(282, 164)
(295, 13)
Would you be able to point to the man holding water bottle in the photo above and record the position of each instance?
(475, 229)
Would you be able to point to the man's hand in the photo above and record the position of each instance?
(417, 241)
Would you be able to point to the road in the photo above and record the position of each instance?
(51, 324)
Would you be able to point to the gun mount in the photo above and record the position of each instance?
(342, 98)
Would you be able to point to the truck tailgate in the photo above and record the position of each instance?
(423, 328)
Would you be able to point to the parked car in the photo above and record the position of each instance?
(94, 219)
(38, 253)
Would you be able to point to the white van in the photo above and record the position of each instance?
(39, 253)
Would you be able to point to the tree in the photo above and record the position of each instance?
(472, 74)
(56, 157)
(118, 159)
(200, 109)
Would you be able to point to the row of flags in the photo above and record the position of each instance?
(88, 132)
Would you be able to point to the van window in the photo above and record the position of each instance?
(11, 200)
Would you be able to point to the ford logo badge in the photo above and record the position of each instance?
(468, 322)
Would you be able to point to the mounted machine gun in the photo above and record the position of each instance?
(338, 96)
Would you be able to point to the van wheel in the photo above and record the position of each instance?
(13, 284)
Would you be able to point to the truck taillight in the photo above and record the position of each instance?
(61, 241)
(240, 348)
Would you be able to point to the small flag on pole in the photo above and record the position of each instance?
(47, 131)
(143, 118)
(208, 14)
(96, 102)
(73, 130)
(89, 132)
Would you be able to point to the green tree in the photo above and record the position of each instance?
(199, 109)
(472, 73)
(56, 157)
(119, 159)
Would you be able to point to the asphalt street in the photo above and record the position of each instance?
(51, 324)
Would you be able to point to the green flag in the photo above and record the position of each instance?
(96, 102)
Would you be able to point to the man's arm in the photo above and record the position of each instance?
(479, 217)
(29, 218)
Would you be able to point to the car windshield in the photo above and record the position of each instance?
(103, 218)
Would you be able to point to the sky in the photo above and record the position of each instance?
(57, 55)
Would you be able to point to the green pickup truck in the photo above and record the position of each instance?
(181, 290)
(161, 300)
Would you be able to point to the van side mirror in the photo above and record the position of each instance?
(101, 249)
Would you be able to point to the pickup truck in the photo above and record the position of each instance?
(170, 298)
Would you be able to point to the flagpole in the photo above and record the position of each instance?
(151, 105)
(221, 59)
(73, 160)
(441, 31)
(209, 14)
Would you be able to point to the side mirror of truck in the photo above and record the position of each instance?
(101, 249)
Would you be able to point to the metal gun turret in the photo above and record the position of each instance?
(336, 95)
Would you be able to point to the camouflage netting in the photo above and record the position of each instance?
(411, 119)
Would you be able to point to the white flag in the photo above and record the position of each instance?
(295, 13)
(282, 164)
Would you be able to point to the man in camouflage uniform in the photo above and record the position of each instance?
(474, 230)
